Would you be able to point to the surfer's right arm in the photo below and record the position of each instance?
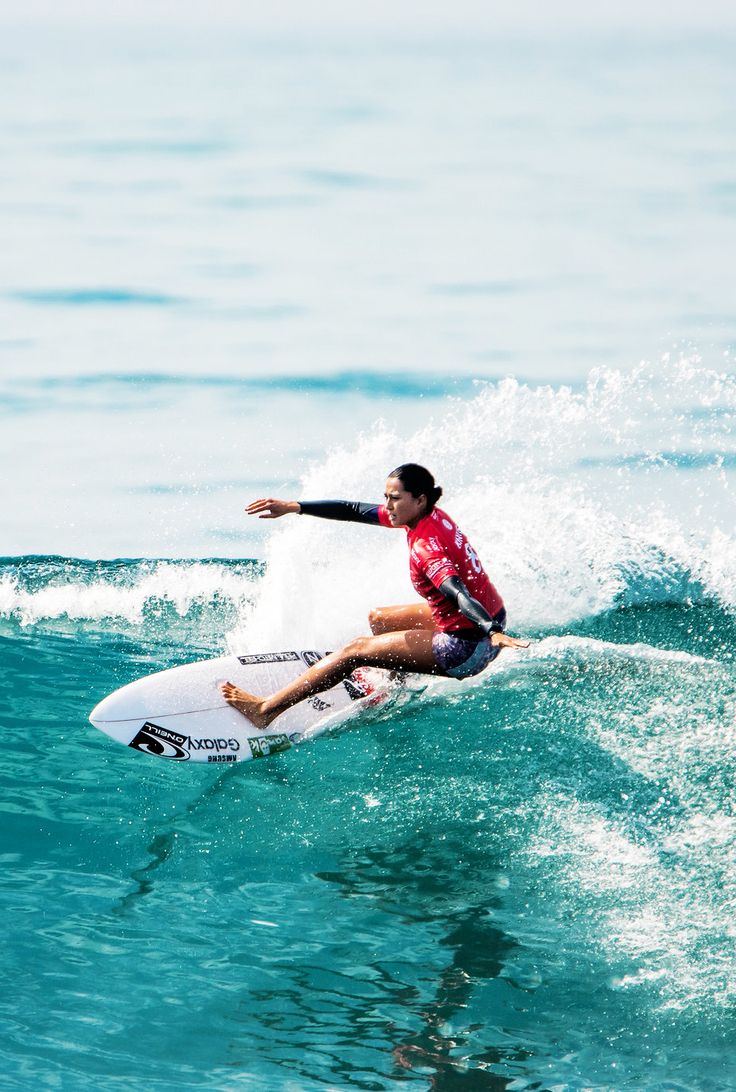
(270, 508)
(349, 511)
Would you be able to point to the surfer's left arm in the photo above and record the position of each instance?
(453, 589)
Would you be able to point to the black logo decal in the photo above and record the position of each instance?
(269, 658)
(319, 705)
(354, 690)
(155, 740)
(311, 658)
(262, 746)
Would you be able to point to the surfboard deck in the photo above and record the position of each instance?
(180, 714)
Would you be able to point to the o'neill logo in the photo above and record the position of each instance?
(311, 657)
(155, 740)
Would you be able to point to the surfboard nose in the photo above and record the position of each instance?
(129, 702)
(104, 711)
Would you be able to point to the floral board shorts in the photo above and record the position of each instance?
(461, 657)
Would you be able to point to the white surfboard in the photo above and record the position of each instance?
(181, 715)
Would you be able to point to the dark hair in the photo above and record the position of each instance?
(418, 481)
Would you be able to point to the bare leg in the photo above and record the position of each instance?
(408, 650)
(391, 619)
(419, 616)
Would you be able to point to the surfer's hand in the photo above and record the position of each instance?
(270, 508)
(505, 641)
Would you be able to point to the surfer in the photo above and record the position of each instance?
(456, 632)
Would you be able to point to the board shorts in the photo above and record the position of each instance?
(461, 657)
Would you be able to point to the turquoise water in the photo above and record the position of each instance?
(244, 267)
(526, 886)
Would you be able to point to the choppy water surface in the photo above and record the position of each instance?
(523, 881)
(526, 882)
(289, 275)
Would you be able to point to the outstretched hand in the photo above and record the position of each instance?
(271, 508)
(504, 641)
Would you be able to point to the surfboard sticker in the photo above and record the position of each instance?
(180, 715)
(152, 739)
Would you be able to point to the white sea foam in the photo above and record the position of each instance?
(590, 649)
(646, 866)
(658, 910)
(126, 596)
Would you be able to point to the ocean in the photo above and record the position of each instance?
(239, 266)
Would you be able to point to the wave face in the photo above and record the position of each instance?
(520, 879)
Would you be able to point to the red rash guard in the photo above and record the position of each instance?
(437, 550)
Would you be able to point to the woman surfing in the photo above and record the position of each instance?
(456, 632)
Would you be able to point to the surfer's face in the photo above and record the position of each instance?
(404, 509)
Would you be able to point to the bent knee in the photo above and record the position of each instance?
(357, 650)
(377, 620)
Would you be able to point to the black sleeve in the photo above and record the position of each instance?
(454, 589)
(350, 511)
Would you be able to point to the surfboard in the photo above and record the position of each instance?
(180, 714)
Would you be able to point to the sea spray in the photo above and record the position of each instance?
(565, 494)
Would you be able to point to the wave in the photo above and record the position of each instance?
(548, 485)
(37, 589)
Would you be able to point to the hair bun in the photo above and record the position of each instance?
(418, 481)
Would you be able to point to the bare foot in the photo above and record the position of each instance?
(247, 704)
